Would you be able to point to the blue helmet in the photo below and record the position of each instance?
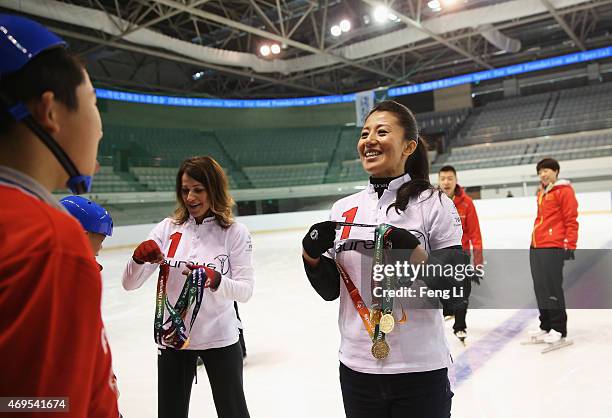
(92, 216)
(21, 40)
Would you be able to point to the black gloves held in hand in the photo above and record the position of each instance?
(568, 255)
(401, 239)
(320, 238)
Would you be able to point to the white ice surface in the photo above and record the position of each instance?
(292, 340)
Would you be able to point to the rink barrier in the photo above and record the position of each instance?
(519, 207)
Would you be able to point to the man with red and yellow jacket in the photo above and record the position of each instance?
(471, 240)
(553, 240)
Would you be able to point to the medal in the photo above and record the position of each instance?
(387, 322)
(380, 349)
(375, 315)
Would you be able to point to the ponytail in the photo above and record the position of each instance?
(417, 166)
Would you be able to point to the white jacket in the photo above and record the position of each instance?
(419, 344)
(227, 250)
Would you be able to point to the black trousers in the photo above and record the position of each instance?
(241, 335)
(405, 395)
(461, 313)
(547, 273)
(175, 373)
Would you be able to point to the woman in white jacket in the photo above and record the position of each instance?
(390, 371)
(195, 315)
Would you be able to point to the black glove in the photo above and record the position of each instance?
(476, 279)
(568, 255)
(401, 239)
(320, 238)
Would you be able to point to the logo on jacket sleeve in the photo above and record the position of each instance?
(224, 264)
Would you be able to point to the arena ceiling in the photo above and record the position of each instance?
(211, 48)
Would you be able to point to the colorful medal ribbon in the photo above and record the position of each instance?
(358, 302)
(381, 312)
(378, 320)
(173, 332)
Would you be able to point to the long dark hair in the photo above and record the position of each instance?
(417, 164)
(208, 172)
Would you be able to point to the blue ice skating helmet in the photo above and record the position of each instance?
(92, 216)
(21, 40)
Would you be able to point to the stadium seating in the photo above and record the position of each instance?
(447, 122)
(529, 152)
(146, 159)
(571, 110)
(107, 181)
(286, 175)
(259, 147)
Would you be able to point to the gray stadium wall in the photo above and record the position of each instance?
(156, 116)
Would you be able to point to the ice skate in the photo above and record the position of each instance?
(449, 317)
(462, 335)
(535, 336)
(555, 341)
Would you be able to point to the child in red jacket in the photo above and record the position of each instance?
(471, 240)
(553, 241)
(52, 338)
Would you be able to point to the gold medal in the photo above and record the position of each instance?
(387, 322)
(380, 349)
(375, 315)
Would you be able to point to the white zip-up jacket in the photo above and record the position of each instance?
(226, 250)
(420, 344)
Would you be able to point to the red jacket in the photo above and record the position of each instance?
(469, 221)
(556, 225)
(52, 340)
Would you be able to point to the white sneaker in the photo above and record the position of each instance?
(553, 337)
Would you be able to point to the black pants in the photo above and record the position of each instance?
(547, 274)
(405, 395)
(241, 335)
(176, 370)
(461, 313)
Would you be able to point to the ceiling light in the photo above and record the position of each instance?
(345, 25)
(198, 75)
(264, 50)
(275, 49)
(381, 14)
(336, 31)
(434, 5)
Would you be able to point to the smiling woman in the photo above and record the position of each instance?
(202, 235)
(202, 189)
(382, 375)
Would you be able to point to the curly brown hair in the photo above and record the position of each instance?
(207, 171)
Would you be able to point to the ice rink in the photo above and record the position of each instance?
(292, 340)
